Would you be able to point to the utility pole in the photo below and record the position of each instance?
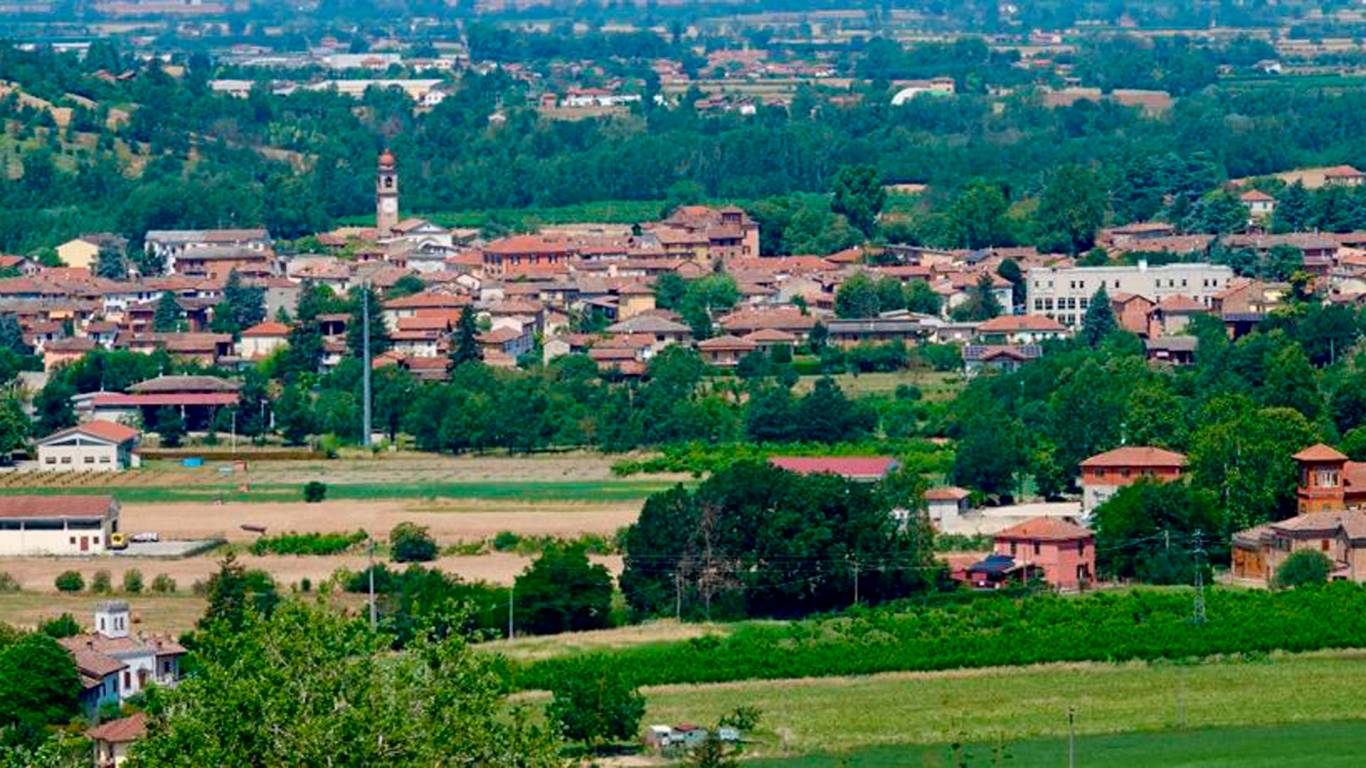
(374, 619)
(855, 581)
(678, 596)
(1071, 737)
(365, 360)
(1199, 612)
(511, 591)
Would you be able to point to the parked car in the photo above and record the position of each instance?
(146, 537)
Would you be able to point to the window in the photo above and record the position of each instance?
(66, 459)
(104, 459)
(127, 679)
(1323, 545)
(1036, 547)
(50, 460)
(1012, 549)
(89, 459)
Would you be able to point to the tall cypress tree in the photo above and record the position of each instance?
(167, 317)
(466, 348)
(1099, 321)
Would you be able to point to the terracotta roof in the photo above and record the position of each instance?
(1256, 196)
(104, 430)
(163, 384)
(1137, 456)
(951, 493)
(1353, 521)
(1319, 452)
(518, 244)
(1180, 303)
(91, 663)
(120, 731)
(1045, 529)
(853, 467)
(55, 507)
(727, 342)
(1014, 323)
(770, 335)
(268, 328)
(1340, 171)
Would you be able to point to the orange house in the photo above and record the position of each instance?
(1328, 481)
(1104, 474)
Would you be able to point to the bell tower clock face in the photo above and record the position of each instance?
(389, 205)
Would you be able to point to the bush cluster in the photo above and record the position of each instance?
(307, 543)
(703, 458)
(998, 631)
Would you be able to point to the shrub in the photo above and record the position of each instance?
(62, 626)
(506, 541)
(307, 543)
(8, 583)
(410, 543)
(315, 492)
(305, 584)
(163, 584)
(1303, 568)
(132, 581)
(743, 718)
(69, 581)
(101, 583)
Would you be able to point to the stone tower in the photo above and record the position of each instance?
(386, 193)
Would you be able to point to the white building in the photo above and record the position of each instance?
(57, 525)
(96, 446)
(909, 89)
(262, 339)
(142, 660)
(1064, 293)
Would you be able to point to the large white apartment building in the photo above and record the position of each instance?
(1064, 293)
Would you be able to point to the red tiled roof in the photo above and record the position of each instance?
(114, 399)
(14, 507)
(1319, 452)
(268, 328)
(123, 730)
(1014, 323)
(951, 493)
(1137, 456)
(844, 466)
(104, 430)
(1045, 529)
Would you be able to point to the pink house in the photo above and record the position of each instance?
(1063, 553)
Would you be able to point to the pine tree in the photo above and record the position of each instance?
(1099, 321)
(167, 317)
(466, 347)
(109, 264)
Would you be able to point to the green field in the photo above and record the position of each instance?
(1026, 705)
(1298, 745)
(617, 490)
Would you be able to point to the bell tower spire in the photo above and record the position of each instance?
(386, 193)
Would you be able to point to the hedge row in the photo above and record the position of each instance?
(307, 543)
(704, 458)
(1139, 624)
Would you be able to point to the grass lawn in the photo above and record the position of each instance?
(1297, 745)
(535, 648)
(934, 385)
(840, 715)
(616, 490)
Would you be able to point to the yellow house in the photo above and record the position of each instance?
(79, 253)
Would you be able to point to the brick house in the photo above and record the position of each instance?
(1330, 497)
(1105, 473)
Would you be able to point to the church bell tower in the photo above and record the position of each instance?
(386, 194)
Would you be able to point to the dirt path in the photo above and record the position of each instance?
(449, 521)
